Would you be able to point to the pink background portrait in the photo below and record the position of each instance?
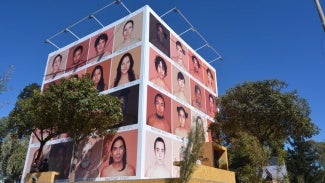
(192, 67)
(151, 109)
(131, 143)
(83, 57)
(175, 118)
(193, 97)
(108, 47)
(187, 91)
(106, 70)
(173, 52)
(152, 69)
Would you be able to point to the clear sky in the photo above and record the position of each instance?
(258, 39)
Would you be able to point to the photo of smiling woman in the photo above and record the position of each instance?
(99, 74)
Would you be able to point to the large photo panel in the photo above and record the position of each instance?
(77, 56)
(181, 117)
(158, 162)
(128, 32)
(56, 65)
(129, 98)
(159, 70)
(101, 45)
(125, 67)
(159, 35)
(181, 85)
(179, 52)
(158, 110)
(119, 155)
(99, 73)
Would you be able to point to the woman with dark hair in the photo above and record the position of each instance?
(118, 165)
(161, 68)
(98, 78)
(124, 71)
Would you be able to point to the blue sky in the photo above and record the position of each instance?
(258, 39)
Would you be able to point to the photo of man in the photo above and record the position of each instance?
(128, 32)
(77, 56)
(119, 154)
(159, 35)
(158, 117)
(159, 164)
(101, 45)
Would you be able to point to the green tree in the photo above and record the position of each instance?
(192, 151)
(264, 112)
(72, 106)
(305, 161)
(12, 157)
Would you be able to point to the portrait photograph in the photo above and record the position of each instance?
(197, 96)
(160, 71)
(181, 85)
(129, 98)
(178, 52)
(128, 32)
(196, 67)
(125, 67)
(119, 154)
(101, 45)
(197, 119)
(159, 35)
(210, 79)
(159, 158)
(77, 56)
(60, 159)
(158, 110)
(99, 73)
(181, 119)
(56, 65)
(211, 104)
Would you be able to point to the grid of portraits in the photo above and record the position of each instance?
(102, 45)
(181, 91)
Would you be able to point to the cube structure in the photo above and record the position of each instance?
(165, 88)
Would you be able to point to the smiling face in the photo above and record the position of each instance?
(160, 152)
(125, 65)
(118, 150)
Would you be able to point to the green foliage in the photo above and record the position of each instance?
(192, 151)
(12, 157)
(305, 161)
(247, 157)
(71, 106)
(262, 112)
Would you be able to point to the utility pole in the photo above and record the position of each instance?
(320, 13)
